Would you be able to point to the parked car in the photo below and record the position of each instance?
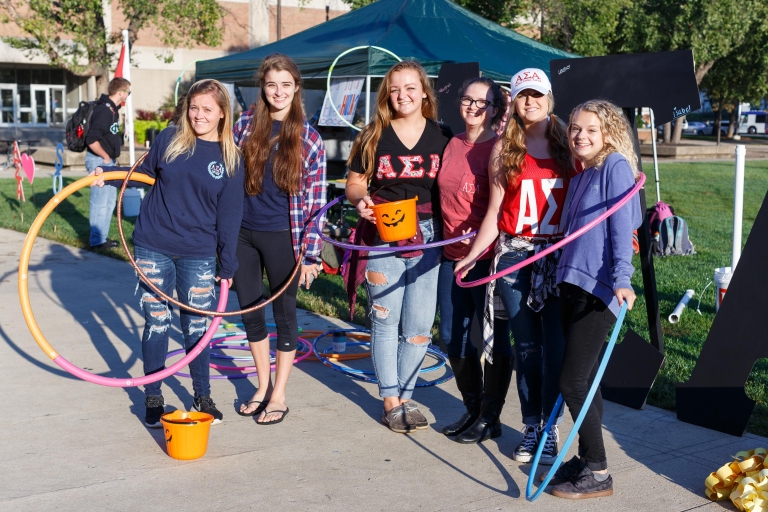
(697, 128)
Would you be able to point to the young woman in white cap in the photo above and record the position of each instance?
(529, 171)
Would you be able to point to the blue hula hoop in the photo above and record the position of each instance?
(579, 419)
(361, 375)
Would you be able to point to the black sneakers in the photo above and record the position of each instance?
(205, 404)
(109, 244)
(584, 485)
(564, 473)
(155, 408)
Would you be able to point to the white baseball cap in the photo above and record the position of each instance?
(529, 78)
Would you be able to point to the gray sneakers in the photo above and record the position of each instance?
(397, 420)
(415, 417)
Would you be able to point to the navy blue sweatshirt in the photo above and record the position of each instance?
(194, 207)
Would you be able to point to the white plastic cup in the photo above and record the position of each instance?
(132, 202)
(722, 279)
(339, 343)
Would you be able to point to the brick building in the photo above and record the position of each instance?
(34, 94)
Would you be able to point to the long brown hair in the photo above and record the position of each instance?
(183, 143)
(513, 148)
(366, 142)
(616, 130)
(287, 166)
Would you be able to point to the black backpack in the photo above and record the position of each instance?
(77, 126)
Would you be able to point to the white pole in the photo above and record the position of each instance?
(738, 204)
(655, 156)
(128, 101)
(367, 99)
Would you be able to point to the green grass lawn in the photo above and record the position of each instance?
(702, 193)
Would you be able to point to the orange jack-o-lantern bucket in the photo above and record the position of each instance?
(397, 220)
(186, 433)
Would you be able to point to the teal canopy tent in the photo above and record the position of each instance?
(431, 31)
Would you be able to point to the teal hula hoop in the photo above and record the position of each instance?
(575, 430)
(330, 71)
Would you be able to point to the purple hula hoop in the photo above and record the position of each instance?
(570, 238)
(353, 247)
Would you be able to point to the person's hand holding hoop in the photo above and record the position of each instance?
(625, 294)
(97, 172)
(462, 267)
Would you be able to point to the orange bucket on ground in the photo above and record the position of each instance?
(397, 220)
(186, 433)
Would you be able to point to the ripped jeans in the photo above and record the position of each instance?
(539, 342)
(193, 279)
(402, 308)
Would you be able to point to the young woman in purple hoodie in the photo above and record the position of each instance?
(594, 278)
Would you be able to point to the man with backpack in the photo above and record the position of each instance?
(103, 140)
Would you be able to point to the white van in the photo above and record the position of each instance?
(753, 122)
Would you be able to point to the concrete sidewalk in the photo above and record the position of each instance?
(71, 445)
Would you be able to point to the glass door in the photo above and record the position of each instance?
(58, 115)
(41, 104)
(7, 104)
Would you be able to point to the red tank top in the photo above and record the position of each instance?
(533, 204)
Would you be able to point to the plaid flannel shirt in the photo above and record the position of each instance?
(305, 205)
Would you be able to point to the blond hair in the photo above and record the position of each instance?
(183, 143)
(513, 148)
(616, 131)
(366, 142)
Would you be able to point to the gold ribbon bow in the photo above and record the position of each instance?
(744, 481)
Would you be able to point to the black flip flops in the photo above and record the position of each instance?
(258, 410)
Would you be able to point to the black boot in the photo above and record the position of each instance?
(469, 380)
(488, 425)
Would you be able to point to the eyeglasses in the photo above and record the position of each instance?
(481, 104)
(128, 91)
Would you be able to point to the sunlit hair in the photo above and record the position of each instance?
(287, 165)
(497, 95)
(617, 133)
(366, 142)
(183, 143)
(513, 148)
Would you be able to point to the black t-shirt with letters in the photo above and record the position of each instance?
(404, 173)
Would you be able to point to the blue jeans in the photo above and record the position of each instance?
(193, 279)
(401, 309)
(539, 342)
(459, 305)
(102, 205)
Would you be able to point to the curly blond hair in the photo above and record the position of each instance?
(513, 148)
(617, 133)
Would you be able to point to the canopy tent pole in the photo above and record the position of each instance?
(367, 98)
(655, 156)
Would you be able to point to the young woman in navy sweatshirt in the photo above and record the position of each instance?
(594, 275)
(190, 215)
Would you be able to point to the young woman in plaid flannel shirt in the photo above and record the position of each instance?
(285, 187)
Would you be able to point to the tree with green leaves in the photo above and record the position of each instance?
(742, 75)
(712, 29)
(584, 27)
(72, 34)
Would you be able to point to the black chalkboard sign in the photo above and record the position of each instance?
(662, 81)
(449, 82)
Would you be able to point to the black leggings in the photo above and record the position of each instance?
(273, 250)
(586, 323)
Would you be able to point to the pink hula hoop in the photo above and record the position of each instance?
(167, 372)
(570, 238)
